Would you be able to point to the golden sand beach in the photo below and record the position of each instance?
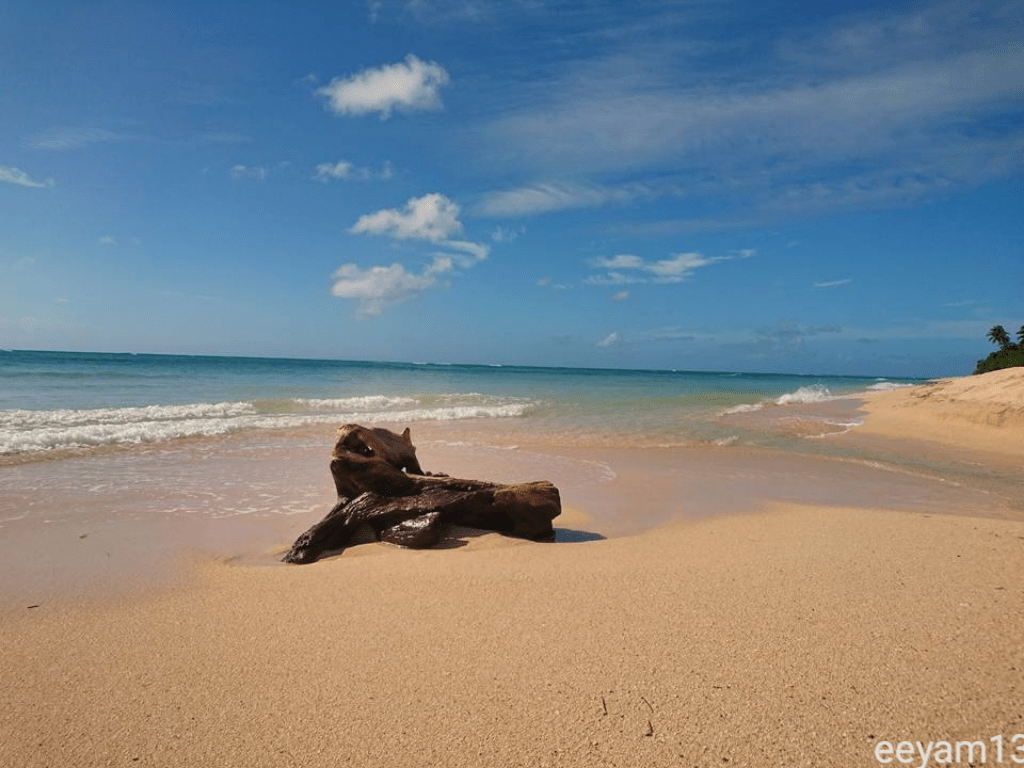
(786, 635)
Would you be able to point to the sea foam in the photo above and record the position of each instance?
(26, 431)
(814, 393)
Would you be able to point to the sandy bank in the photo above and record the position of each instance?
(983, 412)
(798, 637)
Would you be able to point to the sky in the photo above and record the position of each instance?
(738, 185)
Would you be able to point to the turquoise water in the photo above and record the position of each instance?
(53, 402)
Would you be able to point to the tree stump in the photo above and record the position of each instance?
(380, 484)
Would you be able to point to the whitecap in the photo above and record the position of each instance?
(813, 393)
(888, 386)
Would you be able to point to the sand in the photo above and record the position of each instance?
(787, 635)
(983, 412)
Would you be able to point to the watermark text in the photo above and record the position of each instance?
(995, 750)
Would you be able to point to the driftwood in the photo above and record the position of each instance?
(380, 484)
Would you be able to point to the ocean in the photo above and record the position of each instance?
(92, 438)
(54, 404)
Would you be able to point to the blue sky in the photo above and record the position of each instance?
(703, 184)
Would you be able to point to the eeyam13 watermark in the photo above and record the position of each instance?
(995, 750)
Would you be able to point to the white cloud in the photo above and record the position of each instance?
(107, 240)
(432, 217)
(834, 283)
(376, 287)
(680, 266)
(410, 85)
(22, 179)
(343, 169)
(507, 234)
(624, 269)
(611, 339)
(327, 171)
(621, 296)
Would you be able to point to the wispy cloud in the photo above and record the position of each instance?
(71, 137)
(253, 172)
(787, 336)
(545, 197)
(507, 234)
(432, 218)
(549, 282)
(672, 333)
(434, 11)
(645, 125)
(884, 110)
(834, 283)
(225, 137)
(625, 269)
(17, 176)
(343, 169)
(406, 86)
(610, 340)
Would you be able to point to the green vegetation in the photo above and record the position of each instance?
(1009, 355)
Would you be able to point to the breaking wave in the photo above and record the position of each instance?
(813, 393)
(27, 431)
(888, 386)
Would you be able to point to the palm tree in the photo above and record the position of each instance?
(1020, 337)
(998, 335)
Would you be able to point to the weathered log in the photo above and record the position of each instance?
(380, 484)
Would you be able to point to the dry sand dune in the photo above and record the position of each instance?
(984, 412)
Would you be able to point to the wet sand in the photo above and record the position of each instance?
(795, 631)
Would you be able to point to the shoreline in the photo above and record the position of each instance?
(615, 491)
(612, 493)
